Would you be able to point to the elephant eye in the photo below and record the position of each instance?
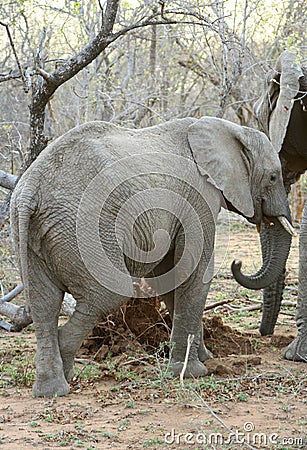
(273, 178)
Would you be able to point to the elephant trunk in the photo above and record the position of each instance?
(272, 297)
(274, 258)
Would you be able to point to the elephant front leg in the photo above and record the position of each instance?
(297, 350)
(187, 320)
(203, 352)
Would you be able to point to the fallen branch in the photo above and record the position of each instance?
(12, 294)
(7, 180)
(234, 308)
(244, 308)
(256, 307)
(20, 316)
(220, 303)
(5, 325)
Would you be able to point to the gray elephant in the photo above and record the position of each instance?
(282, 113)
(104, 205)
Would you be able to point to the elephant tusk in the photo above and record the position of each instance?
(287, 225)
(258, 226)
(268, 221)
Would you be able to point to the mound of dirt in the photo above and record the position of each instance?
(222, 340)
(140, 321)
(232, 365)
(143, 321)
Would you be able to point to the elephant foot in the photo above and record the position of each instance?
(55, 387)
(204, 353)
(194, 369)
(297, 350)
(68, 366)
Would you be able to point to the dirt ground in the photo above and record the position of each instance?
(122, 396)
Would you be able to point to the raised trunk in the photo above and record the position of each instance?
(274, 259)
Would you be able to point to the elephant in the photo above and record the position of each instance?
(103, 205)
(282, 115)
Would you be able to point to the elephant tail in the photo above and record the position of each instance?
(23, 205)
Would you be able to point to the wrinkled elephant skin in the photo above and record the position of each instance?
(103, 206)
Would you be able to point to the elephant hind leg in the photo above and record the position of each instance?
(45, 300)
(91, 306)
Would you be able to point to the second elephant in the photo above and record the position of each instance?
(282, 113)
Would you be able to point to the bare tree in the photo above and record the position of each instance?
(43, 83)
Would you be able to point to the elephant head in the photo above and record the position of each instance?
(243, 165)
(282, 115)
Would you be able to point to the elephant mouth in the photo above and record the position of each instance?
(283, 221)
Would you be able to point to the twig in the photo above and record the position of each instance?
(220, 303)
(88, 362)
(135, 360)
(244, 308)
(258, 306)
(221, 421)
(38, 56)
(43, 73)
(14, 51)
(184, 368)
(162, 4)
(12, 75)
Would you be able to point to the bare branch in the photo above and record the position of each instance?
(43, 73)
(12, 75)
(162, 4)
(153, 20)
(109, 16)
(38, 56)
(14, 50)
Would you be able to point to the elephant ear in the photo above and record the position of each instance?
(274, 108)
(223, 151)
